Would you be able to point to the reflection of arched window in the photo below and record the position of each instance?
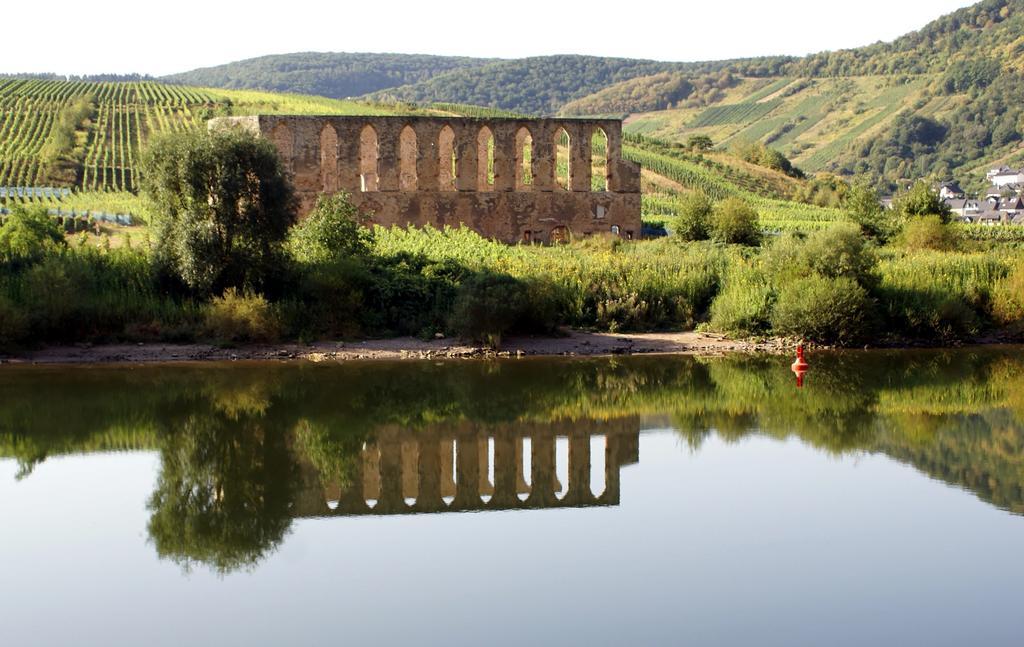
(446, 162)
(328, 159)
(368, 158)
(281, 137)
(485, 160)
(599, 160)
(524, 159)
(562, 163)
(407, 153)
(560, 234)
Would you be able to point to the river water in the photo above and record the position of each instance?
(641, 500)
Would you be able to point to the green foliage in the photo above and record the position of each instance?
(335, 230)
(329, 74)
(920, 200)
(733, 221)
(694, 217)
(487, 307)
(968, 74)
(758, 153)
(699, 143)
(225, 207)
(928, 232)
(1008, 298)
(241, 317)
(745, 303)
(536, 85)
(865, 209)
(28, 235)
(823, 190)
(824, 310)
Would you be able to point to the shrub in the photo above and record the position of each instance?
(241, 317)
(28, 235)
(694, 216)
(744, 304)
(488, 306)
(333, 231)
(734, 221)
(841, 251)
(1008, 298)
(825, 310)
(864, 209)
(13, 323)
(928, 232)
(920, 200)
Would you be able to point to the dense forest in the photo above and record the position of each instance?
(337, 75)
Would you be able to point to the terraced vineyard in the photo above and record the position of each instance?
(88, 135)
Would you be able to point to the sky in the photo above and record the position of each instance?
(108, 36)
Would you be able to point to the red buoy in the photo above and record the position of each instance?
(800, 366)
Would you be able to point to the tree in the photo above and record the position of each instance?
(699, 143)
(333, 231)
(865, 209)
(28, 235)
(694, 219)
(224, 205)
(734, 221)
(920, 200)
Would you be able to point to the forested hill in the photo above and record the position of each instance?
(336, 75)
(538, 85)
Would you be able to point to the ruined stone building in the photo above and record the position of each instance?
(509, 179)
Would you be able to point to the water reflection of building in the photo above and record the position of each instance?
(474, 467)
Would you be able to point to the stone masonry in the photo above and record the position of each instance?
(496, 176)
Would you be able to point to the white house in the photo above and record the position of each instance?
(1004, 176)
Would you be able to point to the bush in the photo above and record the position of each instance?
(487, 307)
(333, 231)
(841, 251)
(694, 216)
(13, 323)
(1008, 298)
(920, 200)
(734, 221)
(28, 235)
(744, 304)
(241, 317)
(825, 310)
(928, 232)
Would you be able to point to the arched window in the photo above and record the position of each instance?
(599, 160)
(281, 137)
(447, 169)
(560, 234)
(562, 163)
(485, 160)
(328, 159)
(524, 159)
(368, 158)
(407, 154)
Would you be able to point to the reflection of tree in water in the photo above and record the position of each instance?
(225, 490)
(237, 444)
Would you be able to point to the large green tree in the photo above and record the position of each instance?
(225, 206)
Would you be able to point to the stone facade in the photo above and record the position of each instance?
(499, 177)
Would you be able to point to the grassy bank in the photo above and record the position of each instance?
(834, 289)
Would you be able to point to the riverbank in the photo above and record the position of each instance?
(574, 343)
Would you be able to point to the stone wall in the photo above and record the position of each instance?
(497, 176)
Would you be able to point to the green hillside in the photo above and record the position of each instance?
(329, 74)
(87, 135)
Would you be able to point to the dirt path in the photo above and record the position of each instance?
(574, 343)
